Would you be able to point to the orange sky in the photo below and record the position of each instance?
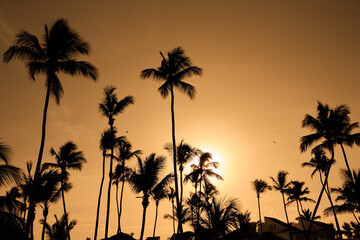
(265, 64)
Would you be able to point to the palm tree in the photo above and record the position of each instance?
(260, 186)
(296, 193)
(107, 140)
(60, 229)
(8, 173)
(219, 217)
(329, 126)
(144, 178)
(321, 163)
(171, 196)
(68, 157)
(280, 184)
(55, 54)
(160, 192)
(307, 214)
(110, 107)
(122, 172)
(172, 71)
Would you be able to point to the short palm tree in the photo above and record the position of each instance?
(60, 229)
(260, 186)
(280, 184)
(110, 107)
(56, 54)
(144, 179)
(171, 196)
(68, 157)
(296, 193)
(160, 192)
(174, 68)
(8, 173)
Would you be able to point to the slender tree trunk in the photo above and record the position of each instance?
(320, 196)
(117, 207)
(258, 197)
(301, 219)
(145, 204)
(45, 213)
(287, 218)
(347, 163)
(65, 213)
(181, 186)
(178, 203)
(31, 211)
(156, 214)
(121, 199)
(99, 199)
(110, 180)
(357, 220)
(173, 212)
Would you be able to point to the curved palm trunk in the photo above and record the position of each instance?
(99, 199)
(181, 185)
(31, 211)
(346, 162)
(178, 203)
(145, 203)
(283, 198)
(65, 213)
(45, 213)
(117, 207)
(327, 191)
(109, 187)
(156, 214)
(320, 196)
(121, 198)
(258, 197)
(301, 220)
(173, 212)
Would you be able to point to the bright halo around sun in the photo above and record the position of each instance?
(216, 157)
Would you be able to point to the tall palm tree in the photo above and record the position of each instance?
(68, 157)
(60, 229)
(143, 180)
(260, 186)
(329, 126)
(160, 192)
(56, 54)
(296, 193)
(321, 163)
(280, 184)
(107, 140)
(173, 70)
(122, 172)
(110, 107)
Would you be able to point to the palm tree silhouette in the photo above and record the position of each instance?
(171, 196)
(55, 54)
(143, 180)
(280, 184)
(110, 107)
(321, 163)
(68, 157)
(160, 192)
(122, 172)
(260, 186)
(60, 229)
(173, 69)
(329, 125)
(8, 173)
(296, 193)
(107, 140)
(185, 153)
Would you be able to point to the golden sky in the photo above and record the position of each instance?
(265, 64)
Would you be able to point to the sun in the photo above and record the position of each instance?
(216, 157)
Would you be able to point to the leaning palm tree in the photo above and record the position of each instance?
(107, 140)
(110, 107)
(56, 54)
(68, 157)
(173, 70)
(160, 192)
(260, 186)
(329, 126)
(143, 180)
(296, 193)
(280, 184)
(321, 163)
(122, 172)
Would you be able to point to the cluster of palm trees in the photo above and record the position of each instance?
(211, 217)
